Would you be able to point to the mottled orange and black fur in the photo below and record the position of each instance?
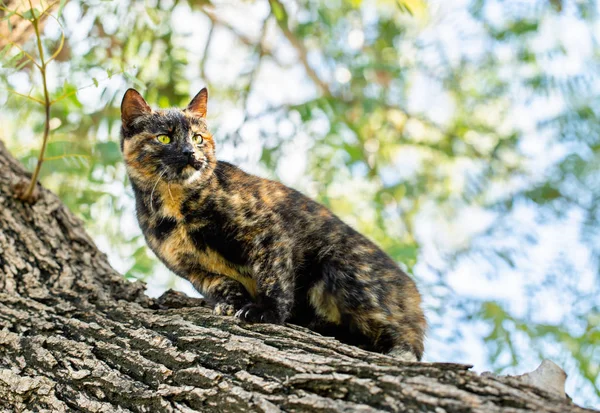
(257, 249)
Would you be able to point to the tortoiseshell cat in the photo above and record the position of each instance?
(257, 249)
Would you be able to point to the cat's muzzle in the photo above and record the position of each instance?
(194, 163)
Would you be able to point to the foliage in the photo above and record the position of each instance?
(463, 138)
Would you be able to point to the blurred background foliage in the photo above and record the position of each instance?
(463, 137)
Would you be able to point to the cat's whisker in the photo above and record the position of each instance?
(153, 188)
(169, 188)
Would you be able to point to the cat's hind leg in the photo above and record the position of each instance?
(381, 304)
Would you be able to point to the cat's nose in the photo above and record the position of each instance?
(188, 152)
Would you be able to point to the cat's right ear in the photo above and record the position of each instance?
(132, 106)
(198, 105)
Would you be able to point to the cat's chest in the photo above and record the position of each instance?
(187, 249)
(171, 201)
(164, 227)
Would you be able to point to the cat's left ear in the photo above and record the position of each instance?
(198, 105)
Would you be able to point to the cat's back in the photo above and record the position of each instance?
(266, 202)
(258, 210)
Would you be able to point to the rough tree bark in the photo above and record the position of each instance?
(75, 336)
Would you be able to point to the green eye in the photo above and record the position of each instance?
(164, 139)
(197, 139)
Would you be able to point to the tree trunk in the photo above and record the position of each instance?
(75, 336)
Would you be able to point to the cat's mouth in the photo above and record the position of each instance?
(190, 173)
(187, 171)
(192, 165)
(195, 163)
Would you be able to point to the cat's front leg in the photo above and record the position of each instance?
(225, 294)
(273, 270)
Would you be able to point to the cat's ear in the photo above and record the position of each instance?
(198, 105)
(132, 106)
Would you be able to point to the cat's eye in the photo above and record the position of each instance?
(164, 139)
(197, 139)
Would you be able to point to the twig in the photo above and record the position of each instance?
(27, 55)
(302, 52)
(240, 36)
(28, 194)
(66, 95)
(25, 96)
(205, 53)
(251, 77)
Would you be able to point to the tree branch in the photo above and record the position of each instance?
(299, 46)
(74, 335)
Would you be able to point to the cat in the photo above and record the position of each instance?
(258, 250)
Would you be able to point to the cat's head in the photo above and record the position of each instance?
(173, 145)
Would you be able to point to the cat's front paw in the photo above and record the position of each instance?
(255, 313)
(224, 309)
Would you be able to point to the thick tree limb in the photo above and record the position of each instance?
(74, 335)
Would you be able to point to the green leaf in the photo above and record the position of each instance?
(404, 7)
(505, 255)
(8, 15)
(31, 14)
(4, 50)
(143, 265)
(517, 28)
(109, 152)
(14, 60)
(22, 64)
(136, 82)
(279, 12)
(152, 13)
(406, 254)
(61, 6)
(544, 193)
